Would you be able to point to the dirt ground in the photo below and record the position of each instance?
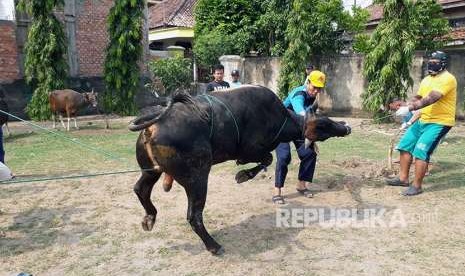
(92, 226)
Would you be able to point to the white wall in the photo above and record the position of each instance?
(7, 10)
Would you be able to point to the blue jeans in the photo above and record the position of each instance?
(307, 162)
(2, 151)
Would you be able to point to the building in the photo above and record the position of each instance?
(85, 23)
(171, 26)
(454, 11)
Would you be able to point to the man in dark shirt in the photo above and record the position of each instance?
(218, 83)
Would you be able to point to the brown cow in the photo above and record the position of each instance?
(68, 102)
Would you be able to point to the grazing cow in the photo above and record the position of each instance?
(68, 102)
(189, 135)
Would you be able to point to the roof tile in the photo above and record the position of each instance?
(172, 13)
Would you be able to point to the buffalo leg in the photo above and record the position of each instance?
(75, 123)
(196, 196)
(247, 174)
(68, 123)
(143, 190)
(61, 120)
(54, 120)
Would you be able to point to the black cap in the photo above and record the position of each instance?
(439, 55)
(235, 72)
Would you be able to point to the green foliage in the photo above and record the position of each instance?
(210, 46)
(175, 72)
(315, 28)
(239, 27)
(45, 64)
(271, 27)
(223, 27)
(407, 26)
(361, 43)
(124, 51)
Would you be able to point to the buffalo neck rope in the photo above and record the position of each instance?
(209, 98)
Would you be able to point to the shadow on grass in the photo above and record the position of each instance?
(40, 228)
(258, 234)
(451, 175)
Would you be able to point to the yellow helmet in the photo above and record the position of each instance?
(317, 78)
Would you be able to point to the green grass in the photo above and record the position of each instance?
(42, 154)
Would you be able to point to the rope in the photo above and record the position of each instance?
(279, 132)
(230, 114)
(16, 180)
(384, 117)
(211, 115)
(72, 140)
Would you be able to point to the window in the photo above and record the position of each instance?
(156, 46)
(7, 10)
(457, 22)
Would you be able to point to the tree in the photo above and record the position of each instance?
(174, 73)
(315, 28)
(210, 46)
(407, 26)
(225, 26)
(45, 64)
(271, 27)
(124, 51)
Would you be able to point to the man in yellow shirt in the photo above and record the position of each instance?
(437, 101)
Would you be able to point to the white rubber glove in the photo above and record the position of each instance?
(402, 111)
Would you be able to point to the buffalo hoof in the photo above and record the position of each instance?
(148, 222)
(167, 186)
(167, 182)
(242, 176)
(217, 251)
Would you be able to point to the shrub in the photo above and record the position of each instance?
(174, 73)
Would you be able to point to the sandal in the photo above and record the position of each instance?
(278, 199)
(396, 182)
(305, 192)
(412, 191)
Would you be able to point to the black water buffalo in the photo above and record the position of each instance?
(189, 135)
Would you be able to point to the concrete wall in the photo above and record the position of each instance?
(345, 81)
(253, 70)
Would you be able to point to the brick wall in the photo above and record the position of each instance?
(9, 67)
(92, 36)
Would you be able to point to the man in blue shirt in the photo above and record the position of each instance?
(235, 79)
(298, 100)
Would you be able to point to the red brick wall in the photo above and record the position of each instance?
(91, 36)
(9, 69)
